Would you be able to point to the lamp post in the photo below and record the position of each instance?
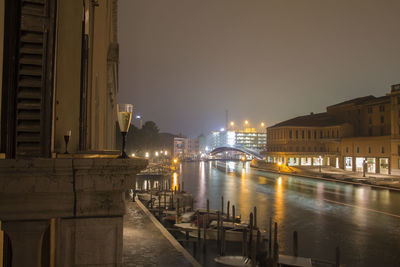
(320, 163)
(124, 121)
(279, 164)
(364, 167)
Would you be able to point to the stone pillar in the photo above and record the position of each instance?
(353, 159)
(26, 241)
(84, 195)
(90, 242)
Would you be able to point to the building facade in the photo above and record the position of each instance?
(60, 73)
(248, 138)
(358, 135)
(186, 148)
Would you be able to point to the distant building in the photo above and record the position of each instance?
(186, 148)
(356, 134)
(248, 138)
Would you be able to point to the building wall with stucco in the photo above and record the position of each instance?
(366, 139)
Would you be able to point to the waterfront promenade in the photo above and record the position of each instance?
(147, 243)
(333, 174)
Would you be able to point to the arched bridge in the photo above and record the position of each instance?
(251, 152)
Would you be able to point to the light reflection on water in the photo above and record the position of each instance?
(315, 209)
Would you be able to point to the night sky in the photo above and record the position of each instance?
(183, 62)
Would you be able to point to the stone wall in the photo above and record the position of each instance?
(83, 197)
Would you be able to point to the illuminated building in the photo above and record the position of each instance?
(362, 134)
(248, 137)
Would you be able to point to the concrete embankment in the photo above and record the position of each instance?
(330, 174)
(148, 243)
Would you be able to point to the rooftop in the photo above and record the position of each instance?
(312, 120)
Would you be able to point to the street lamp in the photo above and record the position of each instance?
(146, 155)
(140, 118)
(364, 167)
(320, 163)
(279, 164)
(124, 121)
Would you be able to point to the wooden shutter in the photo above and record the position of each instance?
(33, 79)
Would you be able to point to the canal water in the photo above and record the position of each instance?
(364, 222)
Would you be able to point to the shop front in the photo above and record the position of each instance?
(348, 163)
(384, 165)
(293, 162)
(305, 161)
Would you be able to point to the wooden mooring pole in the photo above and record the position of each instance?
(244, 243)
(276, 246)
(228, 208)
(250, 246)
(233, 215)
(255, 217)
(222, 205)
(295, 245)
(337, 257)
(270, 239)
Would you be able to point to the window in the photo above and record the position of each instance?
(398, 150)
(347, 149)
(399, 112)
(381, 108)
(382, 119)
(309, 134)
(398, 100)
(290, 134)
(383, 150)
(370, 120)
(358, 111)
(369, 109)
(315, 134)
(370, 131)
(358, 150)
(297, 134)
(337, 133)
(302, 134)
(369, 150)
(328, 134)
(320, 134)
(337, 149)
(382, 130)
(333, 134)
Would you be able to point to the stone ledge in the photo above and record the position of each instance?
(48, 188)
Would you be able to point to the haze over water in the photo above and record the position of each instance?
(363, 222)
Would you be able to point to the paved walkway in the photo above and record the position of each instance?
(331, 173)
(145, 244)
